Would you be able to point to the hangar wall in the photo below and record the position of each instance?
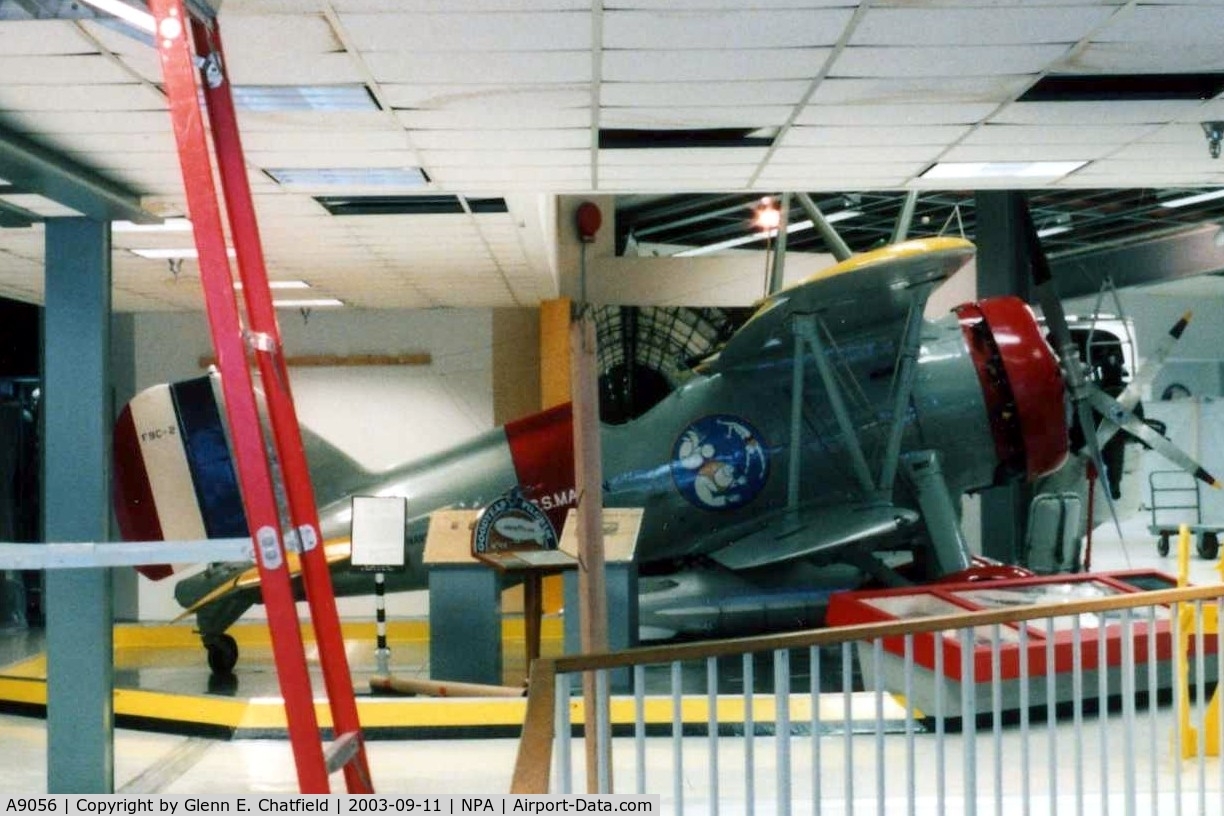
(380, 415)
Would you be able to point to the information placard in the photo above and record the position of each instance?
(378, 533)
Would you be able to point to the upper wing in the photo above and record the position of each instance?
(868, 289)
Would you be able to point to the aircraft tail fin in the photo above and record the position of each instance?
(174, 477)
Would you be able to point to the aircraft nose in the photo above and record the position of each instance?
(1021, 383)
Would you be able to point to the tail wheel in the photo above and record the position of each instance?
(1162, 544)
(1208, 545)
(222, 654)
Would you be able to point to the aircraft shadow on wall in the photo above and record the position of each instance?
(825, 445)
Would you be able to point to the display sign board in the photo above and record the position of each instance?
(449, 539)
(378, 533)
(514, 533)
(621, 526)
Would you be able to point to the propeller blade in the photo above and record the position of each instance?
(1129, 398)
(1083, 415)
(1124, 419)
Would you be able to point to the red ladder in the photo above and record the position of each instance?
(180, 70)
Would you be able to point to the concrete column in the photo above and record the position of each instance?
(1002, 269)
(76, 504)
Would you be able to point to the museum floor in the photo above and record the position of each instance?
(442, 756)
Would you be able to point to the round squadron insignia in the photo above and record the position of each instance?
(720, 462)
(513, 523)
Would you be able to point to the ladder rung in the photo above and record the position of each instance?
(341, 751)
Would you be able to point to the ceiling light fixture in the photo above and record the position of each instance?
(406, 177)
(307, 303)
(1000, 170)
(280, 284)
(167, 225)
(173, 254)
(1193, 198)
(129, 14)
(323, 98)
(798, 226)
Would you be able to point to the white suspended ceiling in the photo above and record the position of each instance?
(506, 98)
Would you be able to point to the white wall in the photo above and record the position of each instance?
(381, 416)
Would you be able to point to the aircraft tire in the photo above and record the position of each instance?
(1162, 545)
(1208, 545)
(222, 654)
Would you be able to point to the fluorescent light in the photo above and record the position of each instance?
(797, 226)
(280, 284)
(173, 254)
(306, 303)
(280, 98)
(130, 15)
(167, 225)
(409, 177)
(1195, 198)
(1056, 230)
(989, 170)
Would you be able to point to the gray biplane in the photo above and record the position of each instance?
(826, 444)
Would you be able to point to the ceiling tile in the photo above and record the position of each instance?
(928, 90)
(1023, 151)
(76, 70)
(1058, 134)
(962, 61)
(559, 118)
(129, 97)
(1170, 25)
(1143, 58)
(1016, 25)
(712, 29)
(742, 116)
(492, 31)
(558, 139)
(711, 65)
(278, 34)
(914, 114)
(482, 98)
(42, 37)
(880, 136)
(261, 68)
(712, 94)
(511, 158)
(466, 66)
(324, 140)
(1095, 113)
(110, 122)
(850, 155)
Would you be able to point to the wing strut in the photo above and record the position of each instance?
(181, 69)
(796, 429)
(805, 327)
(907, 356)
(837, 245)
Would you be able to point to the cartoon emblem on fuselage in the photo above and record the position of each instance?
(719, 462)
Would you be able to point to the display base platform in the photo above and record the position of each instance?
(162, 682)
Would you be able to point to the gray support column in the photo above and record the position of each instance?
(76, 504)
(465, 642)
(1002, 269)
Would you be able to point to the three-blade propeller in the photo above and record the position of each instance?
(1085, 395)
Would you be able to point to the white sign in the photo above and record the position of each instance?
(378, 532)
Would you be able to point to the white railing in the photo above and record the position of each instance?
(874, 719)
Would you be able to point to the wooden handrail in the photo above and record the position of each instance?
(534, 761)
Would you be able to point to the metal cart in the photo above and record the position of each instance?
(1175, 500)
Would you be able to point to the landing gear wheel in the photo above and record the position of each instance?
(1162, 545)
(222, 654)
(1208, 545)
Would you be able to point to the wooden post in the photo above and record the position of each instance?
(588, 477)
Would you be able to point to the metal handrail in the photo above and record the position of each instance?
(534, 760)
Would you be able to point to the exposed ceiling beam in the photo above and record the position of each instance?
(1185, 254)
(40, 170)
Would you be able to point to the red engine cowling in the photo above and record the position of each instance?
(1021, 383)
